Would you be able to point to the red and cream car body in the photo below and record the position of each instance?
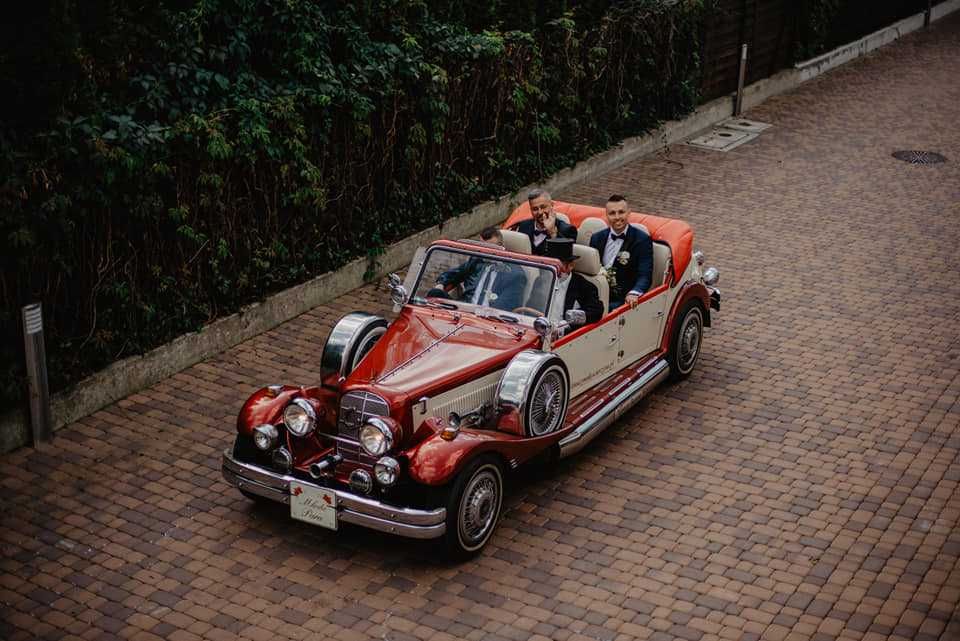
(415, 423)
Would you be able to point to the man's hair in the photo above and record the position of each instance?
(616, 198)
(490, 232)
(536, 193)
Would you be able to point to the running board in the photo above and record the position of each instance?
(614, 409)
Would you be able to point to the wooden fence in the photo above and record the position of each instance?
(773, 32)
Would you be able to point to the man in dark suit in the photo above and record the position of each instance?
(501, 286)
(544, 223)
(579, 290)
(467, 274)
(627, 251)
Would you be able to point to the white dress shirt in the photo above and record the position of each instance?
(611, 249)
(539, 235)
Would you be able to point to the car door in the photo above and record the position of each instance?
(591, 356)
(640, 328)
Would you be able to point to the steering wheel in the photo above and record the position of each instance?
(527, 311)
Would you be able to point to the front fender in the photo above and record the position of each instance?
(435, 461)
(266, 406)
(691, 290)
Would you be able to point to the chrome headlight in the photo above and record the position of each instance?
(299, 417)
(264, 437)
(711, 276)
(387, 470)
(698, 256)
(376, 437)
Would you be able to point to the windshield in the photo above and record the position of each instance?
(468, 281)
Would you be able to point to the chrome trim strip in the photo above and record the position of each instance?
(614, 409)
(419, 354)
(411, 523)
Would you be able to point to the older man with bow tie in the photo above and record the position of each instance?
(544, 223)
(627, 251)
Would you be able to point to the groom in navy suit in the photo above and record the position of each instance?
(625, 249)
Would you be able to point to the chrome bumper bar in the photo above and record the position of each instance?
(714, 298)
(351, 508)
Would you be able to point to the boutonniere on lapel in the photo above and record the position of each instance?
(623, 258)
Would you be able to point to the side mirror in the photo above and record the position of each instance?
(542, 326)
(398, 294)
(575, 317)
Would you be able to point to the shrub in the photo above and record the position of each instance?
(164, 165)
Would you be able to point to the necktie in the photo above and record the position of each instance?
(617, 236)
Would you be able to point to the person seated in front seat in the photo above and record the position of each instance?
(494, 283)
(580, 291)
(501, 286)
(468, 273)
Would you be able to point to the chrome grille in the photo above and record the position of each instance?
(355, 408)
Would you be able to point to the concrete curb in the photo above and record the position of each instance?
(125, 377)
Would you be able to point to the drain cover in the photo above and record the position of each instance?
(919, 157)
(722, 139)
(742, 124)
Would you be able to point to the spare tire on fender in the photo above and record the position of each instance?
(349, 341)
(533, 394)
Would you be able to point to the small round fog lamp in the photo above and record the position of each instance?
(360, 481)
(387, 471)
(265, 437)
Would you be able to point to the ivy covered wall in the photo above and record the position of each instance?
(163, 163)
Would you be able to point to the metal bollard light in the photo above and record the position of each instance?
(738, 107)
(36, 358)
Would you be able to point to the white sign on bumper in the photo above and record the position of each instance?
(314, 505)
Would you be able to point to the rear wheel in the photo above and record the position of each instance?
(473, 507)
(686, 341)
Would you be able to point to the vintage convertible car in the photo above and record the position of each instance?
(415, 423)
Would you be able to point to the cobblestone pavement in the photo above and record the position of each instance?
(803, 484)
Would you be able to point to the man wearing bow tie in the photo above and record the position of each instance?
(627, 250)
(544, 224)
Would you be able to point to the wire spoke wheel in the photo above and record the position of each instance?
(547, 403)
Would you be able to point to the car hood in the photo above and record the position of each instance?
(427, 350)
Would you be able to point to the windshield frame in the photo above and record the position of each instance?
(498, 254)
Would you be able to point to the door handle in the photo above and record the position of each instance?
(613, 339)
(659, 314)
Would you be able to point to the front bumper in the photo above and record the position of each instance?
(714, 298)
(351, 508)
